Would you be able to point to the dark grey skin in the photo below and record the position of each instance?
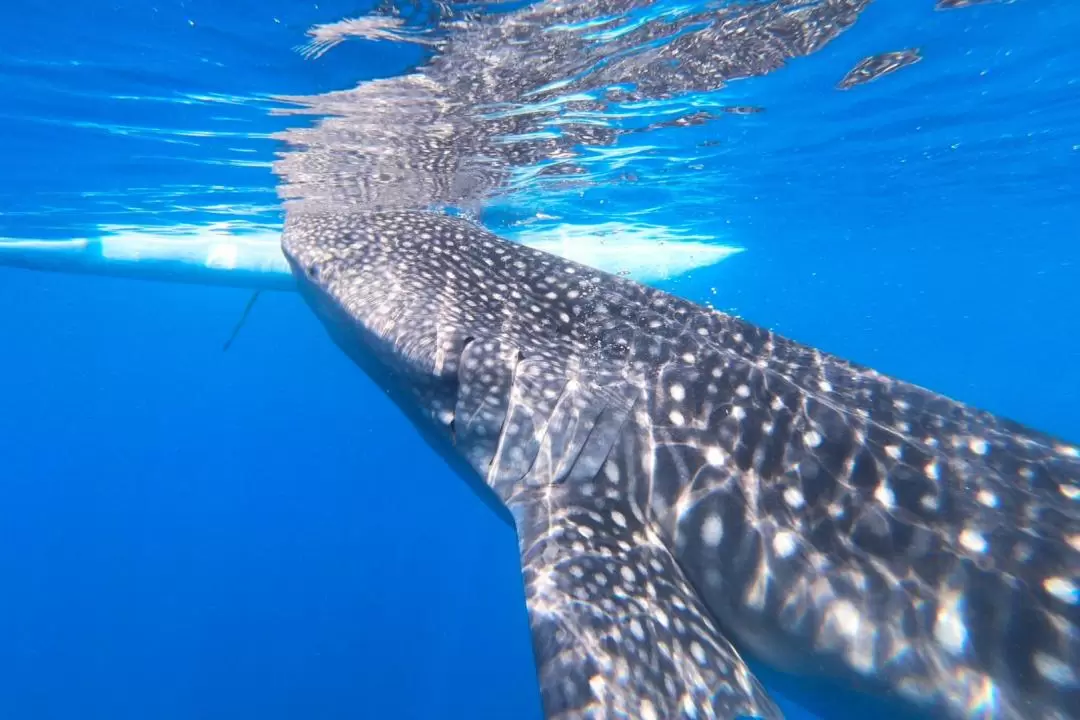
(687, 487)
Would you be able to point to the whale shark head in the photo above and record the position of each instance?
(519, 366)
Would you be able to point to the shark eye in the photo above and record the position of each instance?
(313, 271)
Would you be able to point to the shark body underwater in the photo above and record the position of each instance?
(687, 487)
(690, 492)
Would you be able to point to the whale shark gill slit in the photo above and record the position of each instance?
(687, 487)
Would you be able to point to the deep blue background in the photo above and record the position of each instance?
(189, 533)
(186, 533)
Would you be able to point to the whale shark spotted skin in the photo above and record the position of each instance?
(689, 491)
(688, 488)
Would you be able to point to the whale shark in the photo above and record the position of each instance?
(700, 504)
(691, 491)
(698, 501)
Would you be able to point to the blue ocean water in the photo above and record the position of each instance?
(191, 533)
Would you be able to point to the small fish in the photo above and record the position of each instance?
(743, 109)
(875, 66)
(958, 4)
(697, 118)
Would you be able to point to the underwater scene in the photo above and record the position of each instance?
(540, 359)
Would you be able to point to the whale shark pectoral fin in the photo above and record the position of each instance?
(617, 630)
